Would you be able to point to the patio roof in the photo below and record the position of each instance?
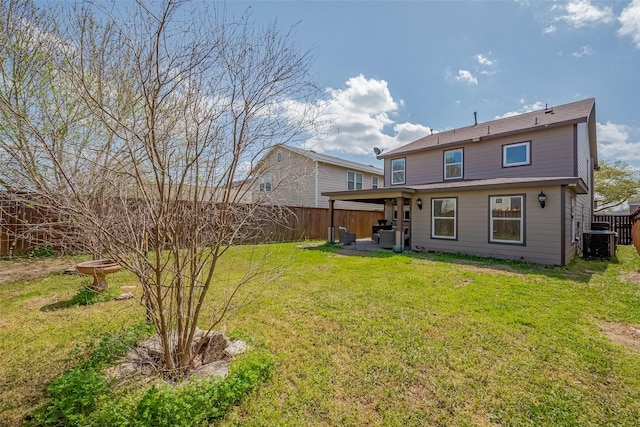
(376, 195)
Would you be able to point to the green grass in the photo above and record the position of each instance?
(388, 339)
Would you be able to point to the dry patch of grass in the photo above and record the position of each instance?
(631, 277)
(26, 269)
(623, 334)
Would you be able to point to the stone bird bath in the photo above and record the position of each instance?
(98, 268)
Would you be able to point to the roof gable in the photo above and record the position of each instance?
(336, 161)
(574, 112)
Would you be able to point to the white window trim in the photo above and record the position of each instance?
(404, 171)
(355, 180)
(265, 183)
(445, 164)
(376, 185)
(574, 230)
(434, 218)
(406, 213)
(518, 144)
(491, 219)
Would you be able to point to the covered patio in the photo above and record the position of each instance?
(399, 223)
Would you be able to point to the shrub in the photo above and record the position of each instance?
(87, 296)
(75, 394)
(73, 397)
(204, 400)
(43, 251)
(82, 396)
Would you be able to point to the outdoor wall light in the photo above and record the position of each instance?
(419, 203)
(542, 198)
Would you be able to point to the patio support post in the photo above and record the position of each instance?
(332, 230)
(400, 224)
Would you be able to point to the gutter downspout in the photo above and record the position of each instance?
(316, 185)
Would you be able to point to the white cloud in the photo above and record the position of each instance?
(409, 132)
(581, 13)
(466, 76)
(619, 142)
(630, 22)
(610, 133)
(483, 60)
(584, 50)
(549, 30)
(525, 109)
(356, 118)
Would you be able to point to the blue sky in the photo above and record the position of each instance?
(393, 71)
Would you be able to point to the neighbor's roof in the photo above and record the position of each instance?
(575, 112)
(323, 158)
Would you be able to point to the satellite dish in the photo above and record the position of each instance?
(377, 151)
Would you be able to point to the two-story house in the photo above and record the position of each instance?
(520, 187)
(291, 176)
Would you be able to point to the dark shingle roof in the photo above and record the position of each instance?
(574, 112)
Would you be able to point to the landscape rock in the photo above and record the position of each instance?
(215, 348)
(219, 368)
(124, 296)
(215, 351)
(236, 347)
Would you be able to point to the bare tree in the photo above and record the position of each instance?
(171, 104)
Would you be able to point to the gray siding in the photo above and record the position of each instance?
(294, 182)
(584, 162)
(542, 229)
(334, 178)
(552, 154)
(583, 215)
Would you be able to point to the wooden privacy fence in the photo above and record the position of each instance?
(313, 223)
(621, 224)
(24, 228)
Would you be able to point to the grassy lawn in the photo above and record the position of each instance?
(382, 339)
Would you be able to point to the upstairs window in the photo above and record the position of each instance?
(279, 156)
(374, 182)
(266, 182)
(397, 171)
(354, 181)
(453, 164)
(516, 154)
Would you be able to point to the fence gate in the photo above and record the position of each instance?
(621, 224)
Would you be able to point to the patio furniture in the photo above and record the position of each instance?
(344, 237)
(376, 228)
(387, 239)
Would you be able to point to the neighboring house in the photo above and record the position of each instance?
(291, 176)
(519, 187)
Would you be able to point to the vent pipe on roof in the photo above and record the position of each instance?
(475, 118)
